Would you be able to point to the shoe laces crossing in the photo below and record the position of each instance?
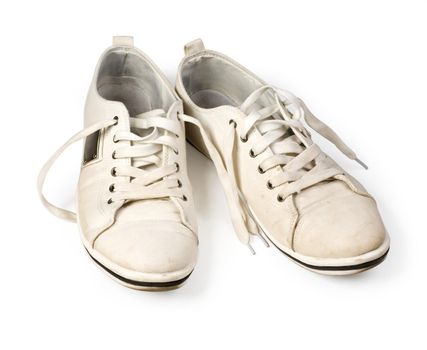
(150, 177)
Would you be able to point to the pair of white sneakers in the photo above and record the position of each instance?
(135, 206)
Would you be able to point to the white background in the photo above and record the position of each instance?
(360, 66)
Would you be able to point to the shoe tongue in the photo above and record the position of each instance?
(257, 98)
(147, 115)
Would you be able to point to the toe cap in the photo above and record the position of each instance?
(149, 247)
(339, 227)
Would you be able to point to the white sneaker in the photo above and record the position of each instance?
(135, 207)
(277, 181)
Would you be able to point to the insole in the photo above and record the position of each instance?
(126, 90)
(211, 98)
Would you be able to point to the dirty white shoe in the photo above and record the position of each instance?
(134, 201)
(277, 181)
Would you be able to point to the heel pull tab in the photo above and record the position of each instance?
(193, 47)
(123, 41)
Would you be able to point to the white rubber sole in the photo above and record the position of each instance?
(142, 285)
(138, 280)
(337, 266)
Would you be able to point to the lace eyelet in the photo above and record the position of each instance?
(177, 166)
(231, 121)
(176, 151)
(280, 198)
(113, 155)
(116, 118)
(113, 172)
(269, 185)
(177, 116)
(111, 188)
(252, 154)
(114, 139)
(244, 139)
(179, 183)
(110, 201)
(260, 170)
(184, 198)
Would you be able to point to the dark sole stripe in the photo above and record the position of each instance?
(365, 265)
(141, 283)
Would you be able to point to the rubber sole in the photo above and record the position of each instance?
(335, 270)
(140, 285)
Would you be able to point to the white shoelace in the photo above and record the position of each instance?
(150, 178)
(282, 130)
